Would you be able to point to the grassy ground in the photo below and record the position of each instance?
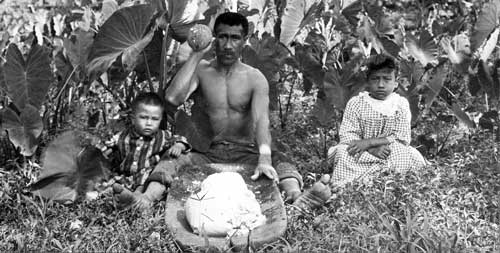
(451, 205)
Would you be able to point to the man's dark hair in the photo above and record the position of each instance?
(232, 19)
(380, 61)
(147, 98)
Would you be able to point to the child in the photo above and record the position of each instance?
(141, 146)
(375, 131)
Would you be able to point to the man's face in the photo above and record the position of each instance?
(382, 83)
(146, 119)
(229, 41)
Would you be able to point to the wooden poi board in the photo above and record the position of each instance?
(266, 193)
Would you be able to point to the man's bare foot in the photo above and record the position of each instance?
(126, 198)
(316, 196)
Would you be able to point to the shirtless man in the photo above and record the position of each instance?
(235, 96)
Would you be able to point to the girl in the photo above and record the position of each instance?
(375, 131)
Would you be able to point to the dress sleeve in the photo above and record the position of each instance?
(350, 128)
(402, 129)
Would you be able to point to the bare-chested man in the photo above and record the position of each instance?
(235, 96)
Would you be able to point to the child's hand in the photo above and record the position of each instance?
(358, 147)
(381, 152)
(176, 149)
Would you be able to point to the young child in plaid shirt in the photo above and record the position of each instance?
(140, 148)
(375, 133)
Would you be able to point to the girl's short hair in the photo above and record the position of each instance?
(380, 61)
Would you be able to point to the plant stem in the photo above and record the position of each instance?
(150, 82)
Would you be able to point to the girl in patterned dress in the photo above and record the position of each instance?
(375, 131)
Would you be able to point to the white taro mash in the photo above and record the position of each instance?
(223, 206)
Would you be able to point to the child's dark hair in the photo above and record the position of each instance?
(147, 98)
(232, 19)
(380, 61)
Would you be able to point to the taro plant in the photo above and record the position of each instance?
(27, 81)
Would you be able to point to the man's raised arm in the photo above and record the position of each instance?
(185, 81)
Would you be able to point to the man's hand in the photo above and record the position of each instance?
(358, 147)
(381, 152)
(176, 149)
(267, 170)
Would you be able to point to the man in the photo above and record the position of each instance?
(235, 97)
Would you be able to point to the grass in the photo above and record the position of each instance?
(450, 206)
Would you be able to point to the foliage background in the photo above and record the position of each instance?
(87, 59)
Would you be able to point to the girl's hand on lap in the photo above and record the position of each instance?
(381, 152)
(358, 146)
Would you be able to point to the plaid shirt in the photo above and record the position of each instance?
(139, 154)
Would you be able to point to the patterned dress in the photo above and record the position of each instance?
(365, 118)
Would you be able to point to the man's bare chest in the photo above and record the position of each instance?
(228, 93)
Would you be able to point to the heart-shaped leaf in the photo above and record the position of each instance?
(341, 85)
(195, 128)
(69, 168)
(77, 47)
(309, 59)
(127, 32)
(485, 24)
(152, 53)
(297, 14)
(27, 81)
(413, 72)
(23, 130)
(424, 49)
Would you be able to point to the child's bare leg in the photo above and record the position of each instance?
(316, 196)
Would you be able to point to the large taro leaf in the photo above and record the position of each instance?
(297, 14)
(434, 84)
(341, 84)
(267, 55)
(127, 32)
(27, 81)
(77, 47)
(412, 71)
(196, 128)
(152, 53)
(69, 168)
(485, 24)
(423, 49)
(309, 61)
(23, 129)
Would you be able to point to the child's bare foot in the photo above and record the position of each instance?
(316, 196)
(126, 198)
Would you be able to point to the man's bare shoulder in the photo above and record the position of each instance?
(254, 74)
